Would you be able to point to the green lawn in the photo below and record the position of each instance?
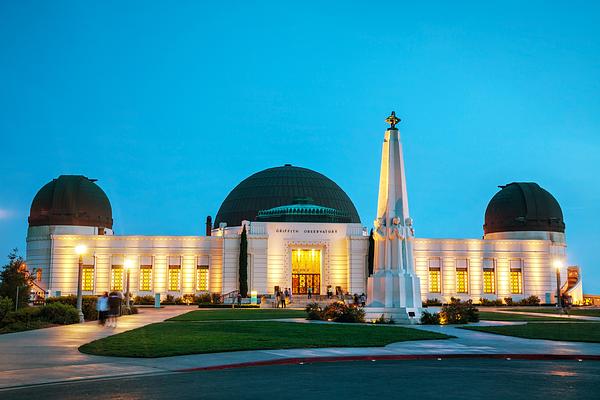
(588, 312)
(568, 331)
(179, 338)
(223, 314)
(495, 316)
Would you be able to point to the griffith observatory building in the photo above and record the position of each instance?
(303, 232)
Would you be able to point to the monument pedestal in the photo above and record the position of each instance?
(394, 295)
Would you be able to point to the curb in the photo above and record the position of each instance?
(312, 360)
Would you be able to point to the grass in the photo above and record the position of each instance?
(239, 314)
(569, 331)
(496, 316)
(588, 312)
(180, 338)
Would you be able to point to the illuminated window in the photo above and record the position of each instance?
(174, 278)
(87, 278)
(462, 280)
(435, 280)
(145, 278)
(116, 278)
(202, 278)
(489, 281)
(435, 275)
(516, 281)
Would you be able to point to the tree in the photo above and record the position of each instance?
(371, 253)
(243, 263)
(15, 278)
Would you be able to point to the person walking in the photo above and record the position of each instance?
(309, 291)
(114, 306)
(102, 307)
(355, 299)
(283, 299)
(290, 294)
(363, 299)
(239, 299)
(277, 298)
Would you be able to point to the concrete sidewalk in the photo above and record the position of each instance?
(51, 355)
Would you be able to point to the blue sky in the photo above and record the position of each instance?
(170, 106)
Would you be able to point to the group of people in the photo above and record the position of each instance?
(109, 308)
(359, 299)
(283, 298)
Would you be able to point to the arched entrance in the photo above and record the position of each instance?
(306, 271)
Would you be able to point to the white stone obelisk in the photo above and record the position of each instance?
(393, 289)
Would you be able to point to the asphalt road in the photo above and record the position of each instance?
(427, 379)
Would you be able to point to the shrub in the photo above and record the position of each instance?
(203, 298)
(487, 302)
(24, 316)
(144, 300)
(428, 318)
(129, 311)
(458, 312)
(88, 306)
(6, 306)
(508, 301)
(168, 299)
(433, 302)
(530, 301)
(59, 313)
(341, 312)
(383, 320)
(314, 311)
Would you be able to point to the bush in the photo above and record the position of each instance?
(530, 301)
(168, 299)
(24, 316)
(6, 306)
(384, 321)
(428, 318)
(314, 311)
(129, 311)
(487, 302)
(59, 313)
(458, 312)
(341, 312)
(433, 302)
(144, 300)
(88, 306)
(509, 301)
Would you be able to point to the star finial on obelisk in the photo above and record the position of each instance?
(392, 120)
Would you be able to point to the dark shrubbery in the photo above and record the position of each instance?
(428, 318)
(88, 306)
(455, 312)
(336, 312)
(314, 311)
(129, 311)
(384, 321)
(432, 302)
(487, 302)
(144, 300)
(530, 301)
(59, 313)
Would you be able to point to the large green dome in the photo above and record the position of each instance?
(283, 186)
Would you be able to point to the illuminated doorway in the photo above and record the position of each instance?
(306, 271)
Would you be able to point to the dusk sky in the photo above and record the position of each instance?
(170, 105)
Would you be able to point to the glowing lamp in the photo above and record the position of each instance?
(128, 263)
(80, 249)
(558, 264)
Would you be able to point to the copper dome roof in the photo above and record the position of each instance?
(523, 206)
(71, 200)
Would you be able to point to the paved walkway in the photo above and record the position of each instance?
(51, 355)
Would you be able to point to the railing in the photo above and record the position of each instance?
(230, 295)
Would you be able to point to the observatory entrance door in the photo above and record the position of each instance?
(306, 271)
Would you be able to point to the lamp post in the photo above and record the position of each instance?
(80, 249)
(127, 271)
(558, 265)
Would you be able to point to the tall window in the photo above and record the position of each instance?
(489, 276)
(516, 277)
(87, 278)
(145, 278)
(462, 280)
(202, 278)
(116, 278)
(174, 278)
(435, 275)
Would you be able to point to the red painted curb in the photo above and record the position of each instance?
(311, 360)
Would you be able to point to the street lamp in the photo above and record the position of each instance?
(128, 271)
(80, 249)
(558, 265)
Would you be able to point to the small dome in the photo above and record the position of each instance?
(523, 206)
(282, 186)
(303, 211)
(71, 200)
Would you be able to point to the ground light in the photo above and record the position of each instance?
(80, 250)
